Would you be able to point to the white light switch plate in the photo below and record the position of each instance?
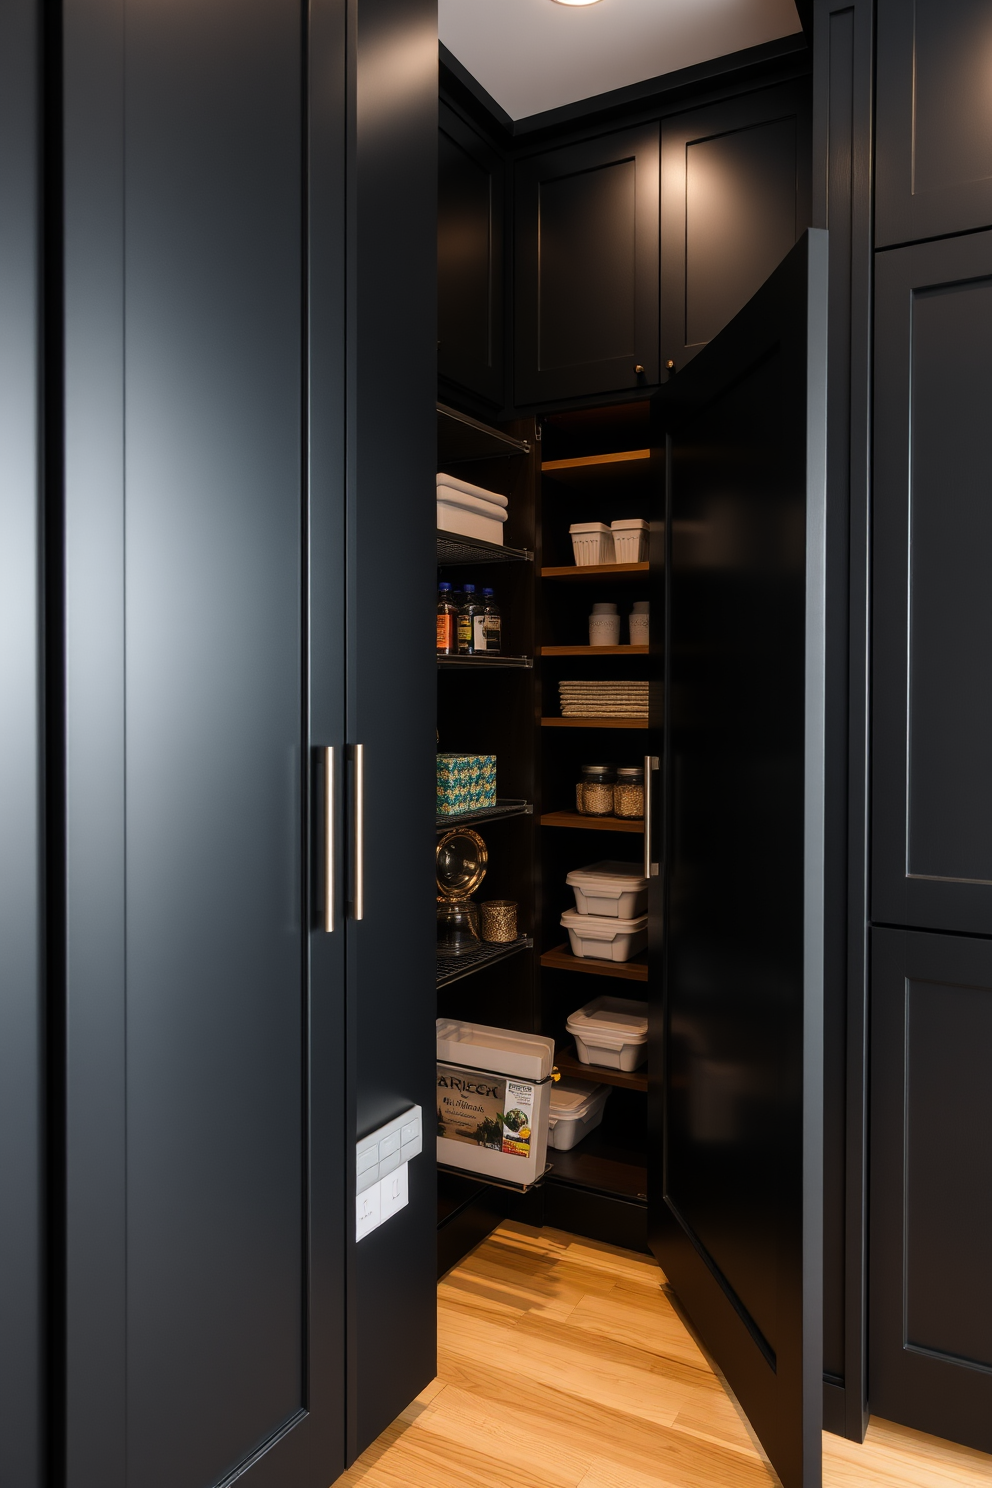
(381, 1172)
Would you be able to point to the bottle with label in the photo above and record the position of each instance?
(466, 622)
(447, 615)
(491, 624)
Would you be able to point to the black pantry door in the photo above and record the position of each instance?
(932, 647)
(205, 1204)
(930, 1361)
(736, 1118)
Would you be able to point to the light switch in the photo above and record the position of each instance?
(368, 1211)
(395, 1193)
(382, 1184)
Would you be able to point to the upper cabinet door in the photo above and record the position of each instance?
(933, 118)
(586, 270)
(735, 196)
(735, 1190)
(932, 727)
(470, 184)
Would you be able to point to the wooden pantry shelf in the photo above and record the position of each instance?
(595, 650)
(594, 570)
(569, 1065)
(591, 823)
(579, 462)
(603, 723)
(561, 959)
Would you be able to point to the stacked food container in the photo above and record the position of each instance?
(609, 921)
(470, 511)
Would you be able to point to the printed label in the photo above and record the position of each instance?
(493, 629)
(445, 633)
(464, 632)
(479, 632)
(485, 1110)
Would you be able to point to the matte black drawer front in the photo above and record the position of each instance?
(930, 1358)
(932, 829)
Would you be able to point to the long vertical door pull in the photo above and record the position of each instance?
(329, 839)
(650, 867)
(358, 840)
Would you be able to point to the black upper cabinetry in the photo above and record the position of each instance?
(469, 261)
(934, 112)
(735, 197)
(932, 847)
(586, 268)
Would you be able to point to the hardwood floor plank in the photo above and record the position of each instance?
(563, 1364)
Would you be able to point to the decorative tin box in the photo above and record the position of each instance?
(465, 782)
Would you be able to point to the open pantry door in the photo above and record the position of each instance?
(736, 1103)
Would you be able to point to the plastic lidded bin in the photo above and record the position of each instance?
(610, 888)
(576, 1110)
(493, 1097)
(611, 1032)
(605, 937)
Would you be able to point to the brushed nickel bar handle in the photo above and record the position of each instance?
(650, 765)
(358, 847)
(328, 839)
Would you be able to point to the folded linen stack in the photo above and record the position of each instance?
(603, 699)
(469, 510)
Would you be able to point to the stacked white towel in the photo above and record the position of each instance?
(470, 510)
(603, 699)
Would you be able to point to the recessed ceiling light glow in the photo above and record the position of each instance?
(576, 2)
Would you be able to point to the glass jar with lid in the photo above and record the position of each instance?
(461, 859)
(628, 793)
(594, 792)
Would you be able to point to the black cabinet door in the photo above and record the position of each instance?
(932, 702)
(470, 185)
(586, 268)
(933, 150)
(205, 1206)
(736, 1183)
(735, 196)
(23, 1432)
(930, 1355)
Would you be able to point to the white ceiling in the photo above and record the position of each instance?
(532, 55)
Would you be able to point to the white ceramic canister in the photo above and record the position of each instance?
(640, 623)
(604, 625)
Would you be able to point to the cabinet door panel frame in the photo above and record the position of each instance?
(920, 1386)
(900, 897)
(904, 214)
(532, 384)
(786, 101)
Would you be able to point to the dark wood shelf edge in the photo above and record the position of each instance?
(574, 820)
(561, 959)
(622, 723)
(568, 1064)
(592, 570)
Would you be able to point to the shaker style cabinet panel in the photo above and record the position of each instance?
(933, 148)
(932, 723)
(205, 1205)
(586, 268)
(470, 184)
(735, 196)
(930, 1285)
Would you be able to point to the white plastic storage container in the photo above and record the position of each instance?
(592, 542)
(608, 888)
(576, 1110)
(605, 937)
(469, 516)
(611, 1032)
(630, 540)
(493, 1098)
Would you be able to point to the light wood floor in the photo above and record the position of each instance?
(562, 1364)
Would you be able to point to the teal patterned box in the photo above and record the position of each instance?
(465, 782)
